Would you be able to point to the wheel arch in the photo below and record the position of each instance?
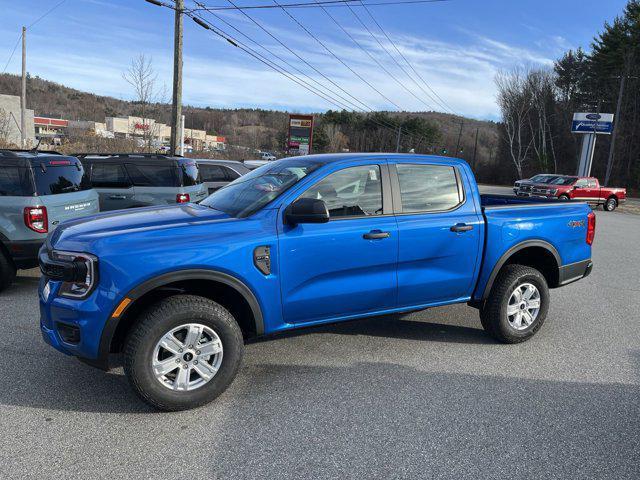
(538, 254)
(226, 289)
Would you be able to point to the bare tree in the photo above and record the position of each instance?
(337, 140)
(515, 102)
(142, 77)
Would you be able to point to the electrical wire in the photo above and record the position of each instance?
(329, 4)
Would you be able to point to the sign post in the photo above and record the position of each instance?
(590, 125)
(300, 138)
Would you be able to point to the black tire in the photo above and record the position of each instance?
(160, 319)
(610, 205)
(7, 271)
(564, 197)
(493, 314)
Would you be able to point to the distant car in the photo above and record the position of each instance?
(132, 180)
(536, 179)
(568, 187)
(38, 190)
(217, 173)
(268, 157)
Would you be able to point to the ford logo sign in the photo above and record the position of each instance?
(593, 116)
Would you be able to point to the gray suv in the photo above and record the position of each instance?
(38, 191)
(217, 173)
(132, 180)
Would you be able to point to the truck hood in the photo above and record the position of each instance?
(116, 223)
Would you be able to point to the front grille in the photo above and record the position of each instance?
(525, 188)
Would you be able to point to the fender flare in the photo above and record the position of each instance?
(165, 279)
(509, 253)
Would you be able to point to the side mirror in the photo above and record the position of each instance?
(306, 210)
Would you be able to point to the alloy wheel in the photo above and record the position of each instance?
(523, 306)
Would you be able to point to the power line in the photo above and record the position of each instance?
(47, 13)
(329, 3)
(442, 102)
(12, 53)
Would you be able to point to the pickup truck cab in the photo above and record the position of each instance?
(567, 187)
(298, 242)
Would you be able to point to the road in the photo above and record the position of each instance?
(428, 395)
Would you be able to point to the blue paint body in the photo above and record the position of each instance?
(320, 273)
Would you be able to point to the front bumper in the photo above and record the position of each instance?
(574, 271)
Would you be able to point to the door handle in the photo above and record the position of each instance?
(376, 235)
(117, 197)
(461, 227)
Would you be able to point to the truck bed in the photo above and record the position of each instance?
(495, 200)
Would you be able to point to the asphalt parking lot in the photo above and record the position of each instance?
(428, 395)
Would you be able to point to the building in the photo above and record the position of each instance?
(98, 129)
(50, 131)
(10, 121)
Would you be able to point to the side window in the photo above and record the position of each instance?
(581, 183)
(592, 184)
(231, 174)
(352, 192)
(428, 188)
(109, 175)
(153, 175)
(212, 173)
(15, 182)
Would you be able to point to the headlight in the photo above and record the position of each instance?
(81, 274)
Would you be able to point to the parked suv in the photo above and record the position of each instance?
(37, 192)
(132, 180)
(217, 173)
(302, 241)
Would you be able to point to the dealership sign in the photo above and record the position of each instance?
(592, 123)
(300, 136)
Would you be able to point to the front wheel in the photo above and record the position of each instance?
(611, 204)
(183, 352)
(517, 305)
(564, 198)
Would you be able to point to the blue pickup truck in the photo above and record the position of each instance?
(301, 241)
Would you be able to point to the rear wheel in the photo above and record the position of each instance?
(611, 204)
(7, 271)
(183, 352)
(517, 305)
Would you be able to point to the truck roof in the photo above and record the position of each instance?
(338, 157)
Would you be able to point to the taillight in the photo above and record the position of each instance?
(36, 219)
(591, 227)
(183, 198)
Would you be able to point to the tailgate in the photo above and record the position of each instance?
(69, 206)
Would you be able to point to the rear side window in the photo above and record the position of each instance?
(212, 173)
(231, 174)
(592, 184)
(153, 175)
(56, 179)
(352, 192)
(15, 182)
(109, 175)
(428, 188)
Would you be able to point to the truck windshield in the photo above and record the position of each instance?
(563, 180)
(249, 193)
(55, 179)
(543, 178)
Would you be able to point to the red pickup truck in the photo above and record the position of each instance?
(566, 187)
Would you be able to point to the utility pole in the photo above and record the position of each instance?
(459, 138)
(176, 108)
(475, 149)
(616, 120)
(23, 95)
(398, 140)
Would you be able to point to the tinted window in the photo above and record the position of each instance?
(15, 181)
(55, 179)
(581, 183)
(251, 192)
(153, 175)
(427, 188)
(109, 175)
(355, 191)
(231, 174)
(212, 173)
(190, 174)
(563, 181)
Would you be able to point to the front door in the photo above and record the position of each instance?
(347, 266)
(439, 232)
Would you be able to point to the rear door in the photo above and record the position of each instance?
(111, 181)
(585, 190)
(213, 176)
(347, 266)
(156, 182)
(438, 230)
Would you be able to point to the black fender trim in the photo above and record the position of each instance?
(171, 277)
(516, 248)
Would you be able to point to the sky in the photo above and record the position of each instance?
(453, 48)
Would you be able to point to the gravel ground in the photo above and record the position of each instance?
(428, 395)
